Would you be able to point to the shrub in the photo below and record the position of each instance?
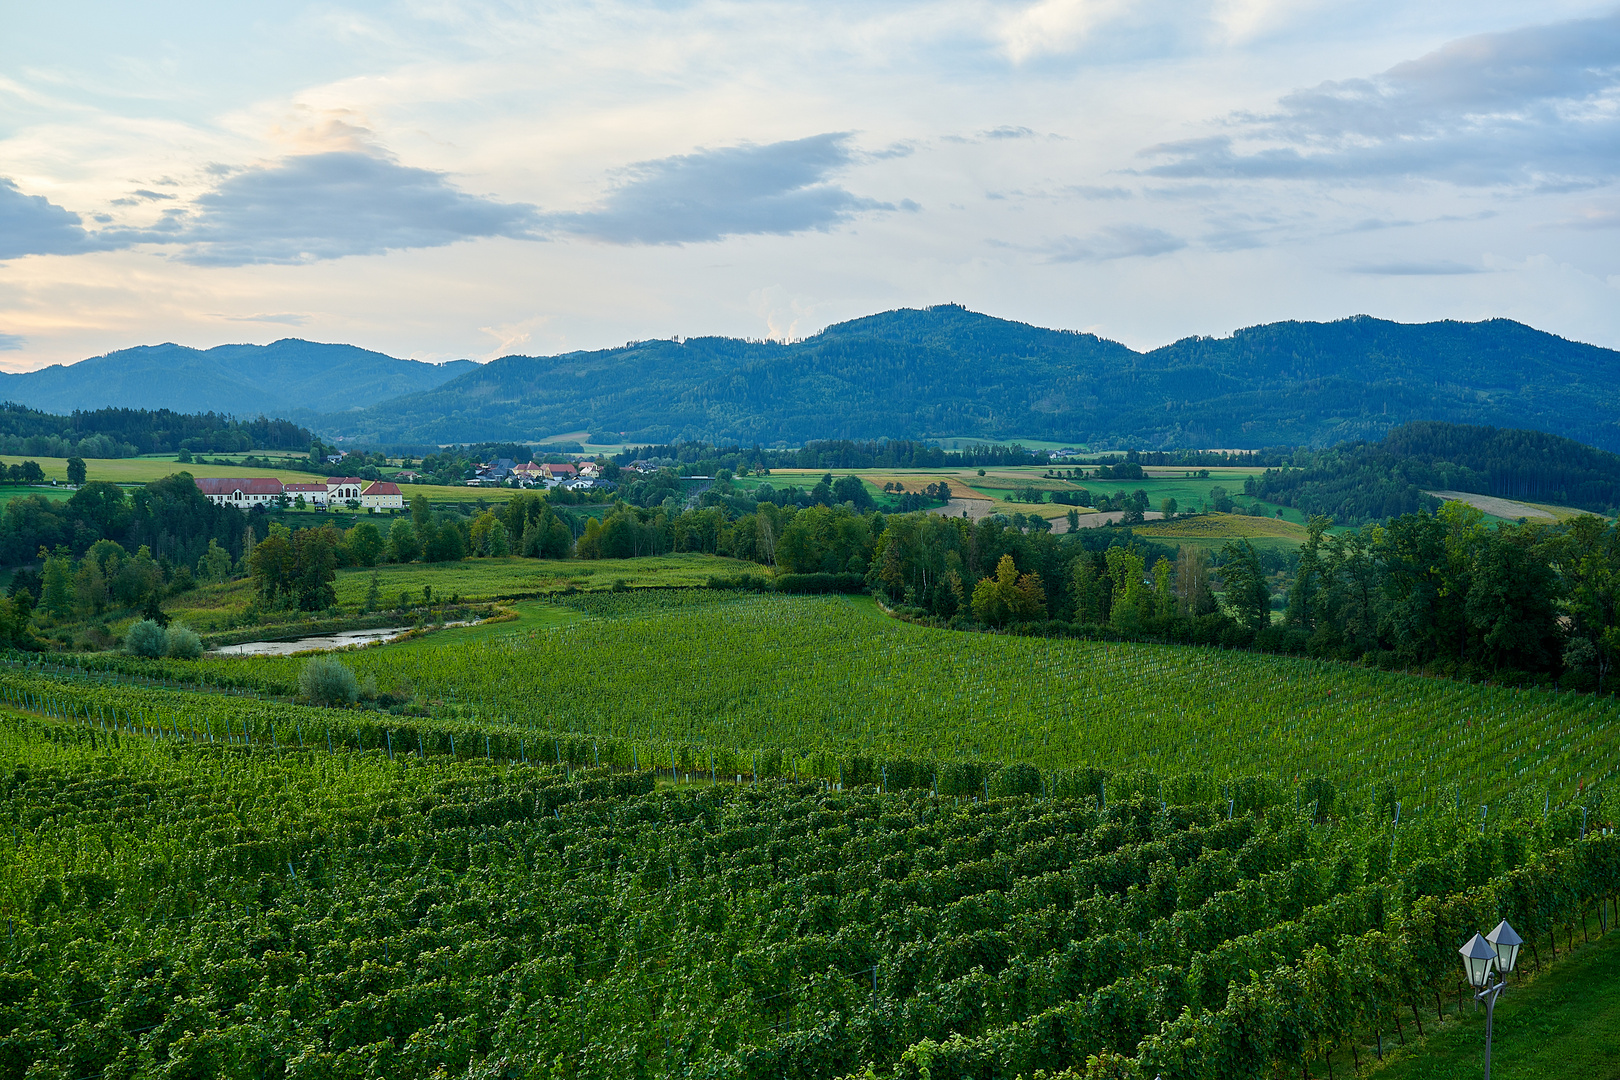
(326, 680)
(181, 642)
(145, 638)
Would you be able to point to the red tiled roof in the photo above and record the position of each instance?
(382, 487)
(303, 487)
(560, 470)
(223, 485)
(334, 480)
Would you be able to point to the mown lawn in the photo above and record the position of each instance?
(1564, 1025)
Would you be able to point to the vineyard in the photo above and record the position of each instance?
(701, 833)
(775, 684)
(183, 906)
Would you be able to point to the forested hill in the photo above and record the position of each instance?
(947, 371)
(287, 378)
(1367, 481)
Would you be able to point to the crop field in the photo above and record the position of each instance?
(1214, 530)
(740, 673)
(188, 906)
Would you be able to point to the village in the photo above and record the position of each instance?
(381, 496)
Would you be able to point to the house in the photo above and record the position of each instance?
(314, 494)
(564, 471)
(589, 468)
(340, 489)
(407, 476)
(238, 492)
(528, 473)
(495, 471)
(382, 495)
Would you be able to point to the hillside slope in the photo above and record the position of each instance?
(947, 371)
(283, 378)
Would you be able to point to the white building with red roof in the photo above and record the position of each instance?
(314, 494)
(241, 492)
(340, 489)
(382, 495)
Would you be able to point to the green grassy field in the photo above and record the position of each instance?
(488, 579)
(1214, 531)
(55, 494)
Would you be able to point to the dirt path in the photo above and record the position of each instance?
(973, 509)
(1502, 508)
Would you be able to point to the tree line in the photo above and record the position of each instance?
(1360, 482)
(114, 433)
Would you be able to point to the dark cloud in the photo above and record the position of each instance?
(1530, 107)
(329, 205)
(1116, 242)
(776, 189)
(12, 342)
(33, 225)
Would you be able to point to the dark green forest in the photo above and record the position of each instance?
(1363, 482)
(946, 371)
(116, 433)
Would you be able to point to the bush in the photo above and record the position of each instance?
(326, 680)
(181, 642)
(819, 583)
(145, 638)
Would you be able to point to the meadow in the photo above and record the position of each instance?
(507, 578)
(1214, 531)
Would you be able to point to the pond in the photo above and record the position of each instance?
(341, 640)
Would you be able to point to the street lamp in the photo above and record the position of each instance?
(1496, 952)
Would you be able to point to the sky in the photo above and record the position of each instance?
(439, 180)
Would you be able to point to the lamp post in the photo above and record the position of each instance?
(1484, 955)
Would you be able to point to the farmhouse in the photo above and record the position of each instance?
(243, 493)
(382, 495)
(560, 472)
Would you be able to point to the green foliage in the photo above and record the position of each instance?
(326, 680)
(1373, 481)
(145, 638)
(181, 642)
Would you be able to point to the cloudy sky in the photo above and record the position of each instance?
(441, 179)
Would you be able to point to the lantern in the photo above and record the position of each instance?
(1506, 943)
(1478, 959)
